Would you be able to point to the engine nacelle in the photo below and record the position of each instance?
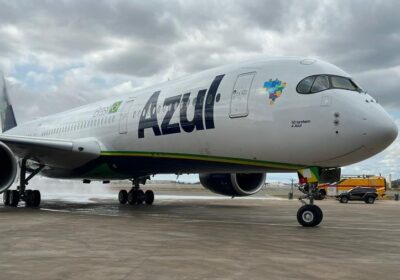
(8, 167)
(235, 184)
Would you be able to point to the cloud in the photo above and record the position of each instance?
(130, 59)
(143, 42)
(361, 35)
(62, 54)
(384, 163)
(383, 84)
(390, 159)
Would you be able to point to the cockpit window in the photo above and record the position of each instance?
(321, 83)
(342, 83)
(317, 83)
(305, 85)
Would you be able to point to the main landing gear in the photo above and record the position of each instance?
(309, 215)
(32, 198)
(136, 195)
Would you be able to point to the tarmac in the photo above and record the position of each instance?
(197, 235)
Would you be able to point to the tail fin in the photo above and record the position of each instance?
(6, 111)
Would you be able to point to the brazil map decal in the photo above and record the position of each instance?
(274, 89)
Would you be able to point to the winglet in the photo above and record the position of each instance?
(6, 110)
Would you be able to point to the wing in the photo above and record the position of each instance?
(53, 152)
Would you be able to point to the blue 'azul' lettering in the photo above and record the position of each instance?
(204, 103)
(149, 122)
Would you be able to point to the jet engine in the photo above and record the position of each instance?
(235, 184)
(8, 167)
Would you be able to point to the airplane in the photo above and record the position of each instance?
(231, 125)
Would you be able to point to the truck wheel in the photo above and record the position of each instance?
(344, 199)
(321, 195)
(369, 199)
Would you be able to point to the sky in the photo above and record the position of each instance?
(57, 55)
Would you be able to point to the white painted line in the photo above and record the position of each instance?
(182, 219)
(55, 210)
(209, 197)
(88, 198)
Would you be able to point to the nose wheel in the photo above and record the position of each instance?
(309, 215)
(136, 195)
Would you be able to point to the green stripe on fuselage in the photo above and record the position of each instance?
(247, 162)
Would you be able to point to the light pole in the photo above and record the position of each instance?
(290, 196)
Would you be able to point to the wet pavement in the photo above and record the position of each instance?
(198, 237)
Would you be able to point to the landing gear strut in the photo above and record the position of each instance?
(32, 198)
(136, 195)
(309, 215)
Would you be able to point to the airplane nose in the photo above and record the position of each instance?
(381, 131)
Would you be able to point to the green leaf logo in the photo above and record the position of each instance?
(114, 108)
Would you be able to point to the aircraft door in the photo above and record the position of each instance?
(240, 95)
(124, 116)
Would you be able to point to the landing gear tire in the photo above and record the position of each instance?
(140, 197)
(6, 197)
(123, 196)
(14, 198)
(149, 197)
(36, 198)
(28, 194)
(132, 197)
(136, 195)
(309, 215)
(32, 198)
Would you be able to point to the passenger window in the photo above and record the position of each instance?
(305, 85)
(321, 83)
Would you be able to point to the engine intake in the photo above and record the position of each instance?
(8, 169)
(235, 184)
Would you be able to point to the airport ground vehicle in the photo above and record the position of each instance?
(349, 182)
(368, 195)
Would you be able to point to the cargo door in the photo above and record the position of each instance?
(124, 116)
(240, 95)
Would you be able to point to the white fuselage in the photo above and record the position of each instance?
(240, 126)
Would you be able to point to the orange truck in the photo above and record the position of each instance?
(348, 182)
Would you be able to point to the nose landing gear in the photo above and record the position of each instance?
(309, 215)
(136, 195)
